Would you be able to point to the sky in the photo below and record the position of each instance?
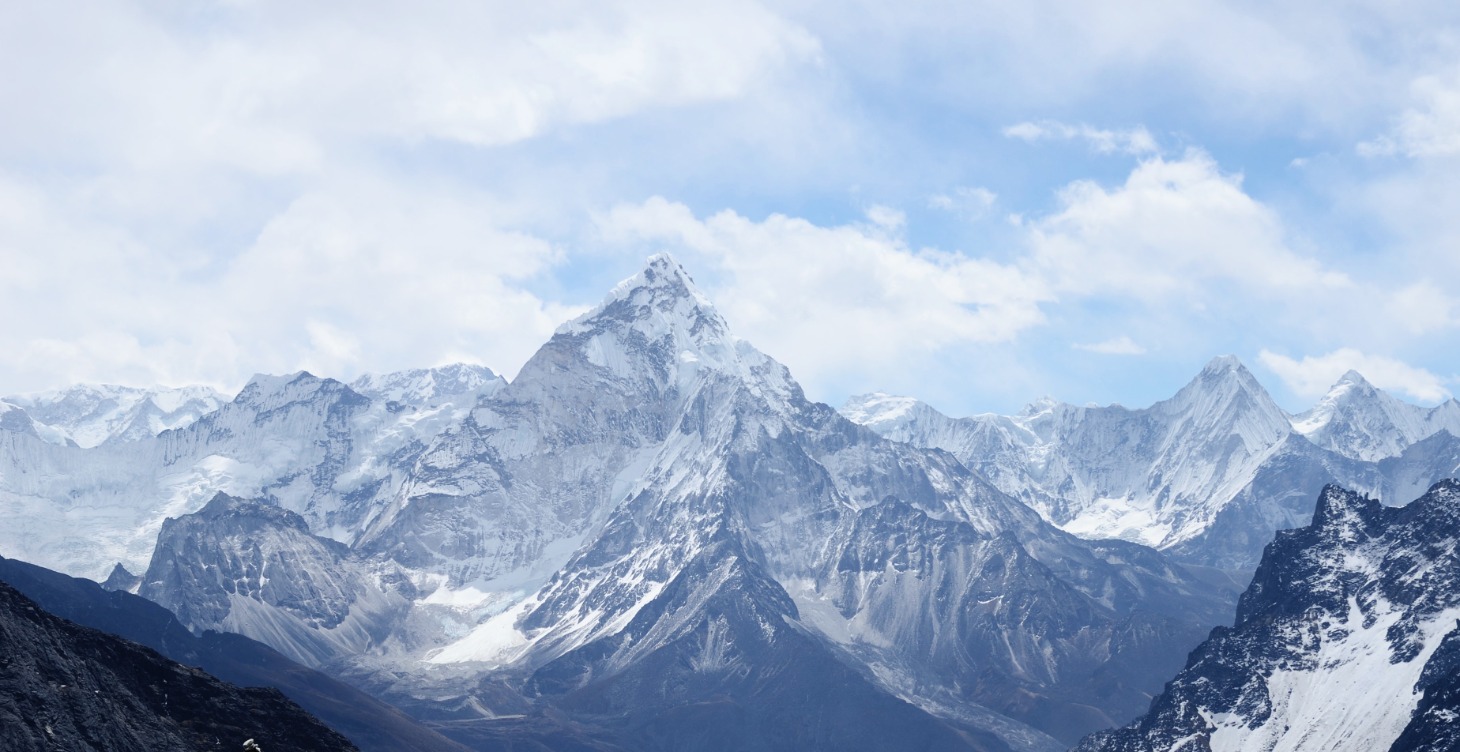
(976, 203)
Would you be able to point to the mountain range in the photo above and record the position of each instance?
(651, 539)
(1207, 476)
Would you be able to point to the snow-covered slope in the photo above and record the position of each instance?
(88, 414)
(1347, 639)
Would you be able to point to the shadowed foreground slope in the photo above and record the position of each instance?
(68, 687)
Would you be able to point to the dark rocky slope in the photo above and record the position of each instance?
(370, 724)
(67, 687)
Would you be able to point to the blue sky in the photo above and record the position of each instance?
(977, 203)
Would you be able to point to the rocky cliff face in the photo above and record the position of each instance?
(1346, 639)
(253, 568)
(66, 687)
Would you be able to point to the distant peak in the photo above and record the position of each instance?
(1227, 370)
(270, 382)
(1223, 364)
(1351, 380)
(661, 289)
(663, 272)
(877, 407)
(427, 384)
(1040, 406)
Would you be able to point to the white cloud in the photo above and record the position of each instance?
(1168, 233)
(268, 86)
(1312, 376)
(1122, 345)
(970, 202)
(829, 300)
(1246, 66)
(886, 217)
(1137, 141)
(355, 275)
(197, 192)
(1430, 127)
(1419, 308)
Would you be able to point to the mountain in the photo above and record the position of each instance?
(650, 539)
(1357, 420)
(311, 445)
(67, 687)
(1155, 475)
(1348, 638)
(253, 568)
(368, 723)
(87, 415)
(1207, 475)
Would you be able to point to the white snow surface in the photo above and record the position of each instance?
(1353, 698)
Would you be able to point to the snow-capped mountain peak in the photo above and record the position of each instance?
(1226, 391)
(660, 296)
(1357, 419)
(1346, 639)
(1158, 475)
(658, 324)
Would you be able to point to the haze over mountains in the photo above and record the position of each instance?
(650, 538)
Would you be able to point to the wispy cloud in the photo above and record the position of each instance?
(1429, 127)
(973, 202)
(1122, 345)
(1137, 141)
